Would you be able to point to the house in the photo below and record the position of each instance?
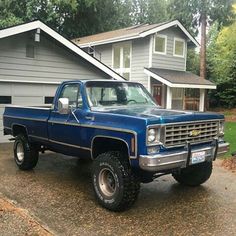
(34, 59)
(154, 55)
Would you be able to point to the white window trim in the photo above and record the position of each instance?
(120, 70)
(160, 36)
(184, 49)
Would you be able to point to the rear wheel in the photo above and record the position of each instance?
(25, 155)
(194, 175)
(116, 187)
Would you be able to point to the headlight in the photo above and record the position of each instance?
(151, 135)
(221, 128)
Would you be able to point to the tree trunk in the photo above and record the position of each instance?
(203, 47)
(203, 54)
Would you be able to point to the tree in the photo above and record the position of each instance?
(149, 11)
(222, 61)
(212, 51)
(52, 12)
(71, 18)
(193, 61)
(7, 16)
(195, 13)
(95, 16)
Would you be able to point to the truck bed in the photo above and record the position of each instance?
(34, 118)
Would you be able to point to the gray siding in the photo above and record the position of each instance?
(104, 54)
(169, 61)
(51, 63)
(140, 60)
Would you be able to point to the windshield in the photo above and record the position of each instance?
(105, 94)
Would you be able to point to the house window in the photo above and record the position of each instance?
(192, 99)
(160, 44)
(179, 47)
(5, 99)
(177, 98)
(48, 100)
(122, 59)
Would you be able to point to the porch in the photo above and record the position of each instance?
(179, 90)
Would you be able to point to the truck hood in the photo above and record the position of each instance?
(158, 115)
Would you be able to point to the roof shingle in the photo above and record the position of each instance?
(181, 77)
(120, 33)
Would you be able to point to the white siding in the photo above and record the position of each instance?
(169, 61)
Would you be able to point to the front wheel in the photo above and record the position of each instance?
(194, 175)
(115, 185)
(25, 155)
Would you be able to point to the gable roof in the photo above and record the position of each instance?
(14, 30)
(133, 32)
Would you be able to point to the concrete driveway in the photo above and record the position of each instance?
(59, 196)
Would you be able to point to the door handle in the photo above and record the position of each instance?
(89, 118)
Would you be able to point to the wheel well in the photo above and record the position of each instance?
(18, 129)
(101, 145)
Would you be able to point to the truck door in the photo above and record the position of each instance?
(64, 133)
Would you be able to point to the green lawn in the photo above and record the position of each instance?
(230, 136)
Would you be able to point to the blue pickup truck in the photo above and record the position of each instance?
(129, 138)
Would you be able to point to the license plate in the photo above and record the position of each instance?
(198, 157)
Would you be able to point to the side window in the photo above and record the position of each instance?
(72, 92)
(48, 100)
(179, 47)
(5, 99)
(122, 59)
(160, 43)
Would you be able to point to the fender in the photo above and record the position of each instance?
(19, 125)
(109, 137)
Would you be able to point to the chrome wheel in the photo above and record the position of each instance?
(20, 152)
(107, 182)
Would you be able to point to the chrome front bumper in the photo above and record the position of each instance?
(173, 159)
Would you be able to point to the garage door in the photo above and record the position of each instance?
(24, 95)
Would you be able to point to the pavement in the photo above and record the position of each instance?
(17, 221)
(56, 198)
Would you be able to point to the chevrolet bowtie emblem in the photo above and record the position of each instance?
(194, 133)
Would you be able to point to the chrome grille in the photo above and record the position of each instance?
(179, 134)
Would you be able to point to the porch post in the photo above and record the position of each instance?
(202, 100)
(149, 88)
(169, 98)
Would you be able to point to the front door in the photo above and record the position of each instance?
(157, 93)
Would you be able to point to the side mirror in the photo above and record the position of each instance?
(63, 106)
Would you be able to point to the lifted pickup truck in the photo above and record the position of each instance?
(127, 135)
